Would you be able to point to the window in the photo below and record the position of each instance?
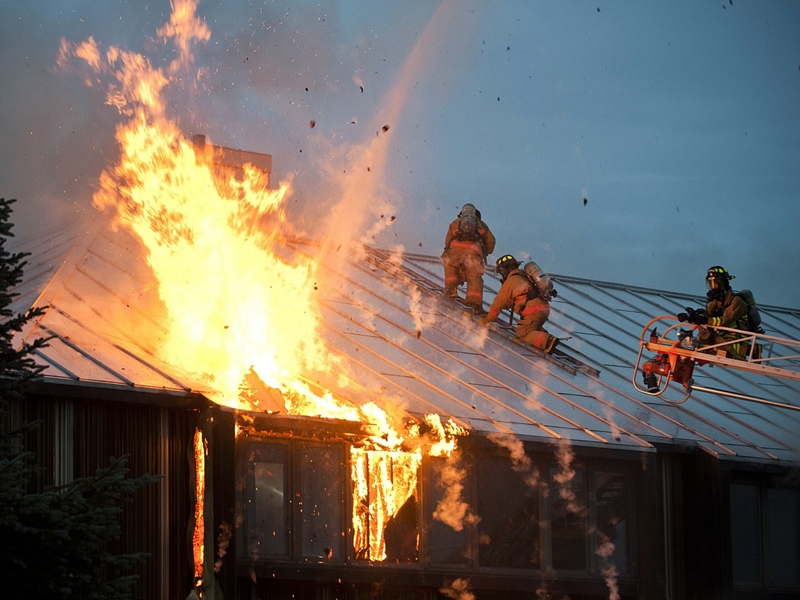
(385, 509)
(765, 535)
(320, 503)
(745, 534)
(447, 535)
(267, 502)
(509, 529)
(576, 518)
(612, 520)
(568, 525)
(294, 501)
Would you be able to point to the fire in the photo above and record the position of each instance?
(383, 482)
(237, 307)
(234, 304)
(199, 532)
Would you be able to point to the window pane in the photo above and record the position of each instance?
(509, 511)
(321, 502)
(568, 519)
(447, 534)
(611, 498)
(784, 537)
(745, 534)
(267, 514)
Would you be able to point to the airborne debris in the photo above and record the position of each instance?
(585, 200)
(312, 123)
(392, 218)
(385, 128)
(362, 88)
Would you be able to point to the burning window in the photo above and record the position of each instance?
(385, 505)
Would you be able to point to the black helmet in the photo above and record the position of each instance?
(720, 274)
(717, 282)
(505, 264)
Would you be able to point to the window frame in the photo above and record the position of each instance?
(763, 485)
(293, 500)
(545, 461)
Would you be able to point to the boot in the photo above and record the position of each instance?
(650, 382)
(477, 309)
(450, 292)
(551, 344)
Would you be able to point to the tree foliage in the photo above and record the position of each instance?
(56, 543)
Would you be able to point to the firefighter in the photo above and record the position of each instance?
(520, 295)
(467, 244)
(724, 308)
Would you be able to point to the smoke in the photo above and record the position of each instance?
(223, 541)
(360, 170)
(458, 589)
(451, 509)
(605, 548)
(563, 478)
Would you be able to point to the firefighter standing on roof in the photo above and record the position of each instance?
(519, 294)
(724, 309)
(467, 244)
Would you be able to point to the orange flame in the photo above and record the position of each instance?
(236, 307)
(199, 532)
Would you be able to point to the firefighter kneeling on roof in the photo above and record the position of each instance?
(466, 245)
(725, 308)
(521, 294)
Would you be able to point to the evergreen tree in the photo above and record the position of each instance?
(54, 543)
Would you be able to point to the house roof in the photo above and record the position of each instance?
(409, 346)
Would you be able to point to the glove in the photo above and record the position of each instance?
(484, 321)
(697, 319)
(683, 317)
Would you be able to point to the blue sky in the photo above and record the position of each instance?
(677, 122)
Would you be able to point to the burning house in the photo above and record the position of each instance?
(328, 426)
(415, 455)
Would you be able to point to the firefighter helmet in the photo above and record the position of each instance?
(717, 282)
(720, 275)
(505, 264)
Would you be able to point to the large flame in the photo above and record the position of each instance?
(237, 306)
(234, 304)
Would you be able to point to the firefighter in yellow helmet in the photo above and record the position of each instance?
(466, 245)
(520, 295)
(724, 308)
